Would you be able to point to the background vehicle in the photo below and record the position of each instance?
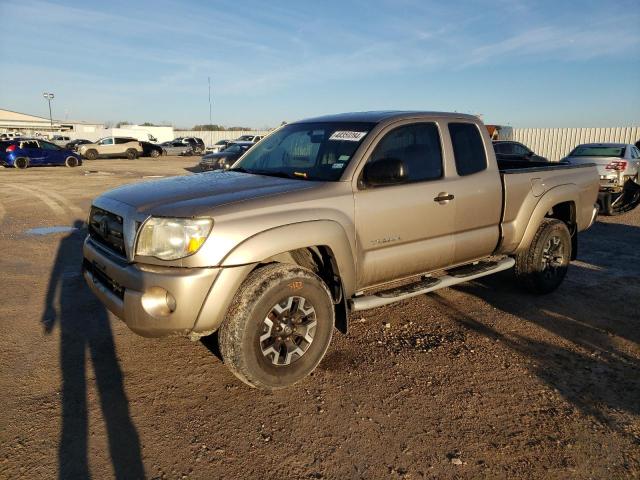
(323, 217)
(74, 144)
(225, 158)
(515, 151)
(60, 140)
(151, 149)
(249, 138)
(112, 147)
(27, 152)
(218, 146)
(197, 144)
(176, 148)
(617, 164)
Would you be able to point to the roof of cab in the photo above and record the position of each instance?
(379, 116)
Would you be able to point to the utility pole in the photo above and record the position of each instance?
(209, 80)
(49, 97)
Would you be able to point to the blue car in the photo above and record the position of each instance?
(30, 152)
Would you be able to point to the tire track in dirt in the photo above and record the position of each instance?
(55, 207)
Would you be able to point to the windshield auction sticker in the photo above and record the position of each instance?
(348, 136)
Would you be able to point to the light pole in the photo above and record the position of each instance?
(49, 97)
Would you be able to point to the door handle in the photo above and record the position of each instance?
(443, 197)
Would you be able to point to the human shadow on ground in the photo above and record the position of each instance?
(594, 318)
(85, 329)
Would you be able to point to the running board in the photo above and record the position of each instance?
(430, 284)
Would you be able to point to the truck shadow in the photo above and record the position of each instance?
(85, 330)
(593, 326)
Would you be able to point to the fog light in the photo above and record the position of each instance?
(157, 302)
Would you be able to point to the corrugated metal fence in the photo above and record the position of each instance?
(555, 143)
(211, 137)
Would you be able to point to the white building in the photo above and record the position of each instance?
(26, 124)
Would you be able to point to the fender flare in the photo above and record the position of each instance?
(552, 197)
(240, 262)
(282, 239)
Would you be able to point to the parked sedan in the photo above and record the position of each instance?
(515, 151)
(218, 146)
(197, 144)
(618, 166)
(74, 144)
(28, 152)
(176, 148)
(616, 162)
(151, 149)
(225, 158)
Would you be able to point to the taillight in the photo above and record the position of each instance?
(10, 148)
(617, 165)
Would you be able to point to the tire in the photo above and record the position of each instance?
(155, 154)
(255, 351)
(71, 162)
(21, 163)
(542, 267)
(131, 154)
(91, 154)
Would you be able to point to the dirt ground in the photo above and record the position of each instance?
(477, 381)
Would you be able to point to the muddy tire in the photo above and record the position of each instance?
(278, 326)
(542, 267)
(71, 162)
(91, 154)
(21, 163)
(131, 154)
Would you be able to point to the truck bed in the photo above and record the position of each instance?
(525, 184)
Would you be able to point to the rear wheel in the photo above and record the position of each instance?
(71, 162)
(278, 326)
(91, 154)
(542, 267)
(21, 163)
(131, 154)
(155, 153)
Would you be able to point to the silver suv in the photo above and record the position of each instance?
(112, 147)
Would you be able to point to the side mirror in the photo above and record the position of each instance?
(385, 171)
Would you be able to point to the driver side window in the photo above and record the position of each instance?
(417, 146)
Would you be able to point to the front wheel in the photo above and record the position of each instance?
(132, 154)
(71, 162)
(155, 153)
(542, 267)
(278, 326)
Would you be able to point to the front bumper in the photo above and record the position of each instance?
(134, 292)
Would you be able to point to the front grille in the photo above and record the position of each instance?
(106, 229)
(103, 279)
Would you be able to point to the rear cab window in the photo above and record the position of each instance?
(468, 148)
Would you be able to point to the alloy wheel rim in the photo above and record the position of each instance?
(288, 330)
(553, 256)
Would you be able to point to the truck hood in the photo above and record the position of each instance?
(199, 194)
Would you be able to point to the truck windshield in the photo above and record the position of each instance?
(598, 152)
(308, 151)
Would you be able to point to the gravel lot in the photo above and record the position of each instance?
(478, 381)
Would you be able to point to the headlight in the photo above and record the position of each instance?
(172, 238)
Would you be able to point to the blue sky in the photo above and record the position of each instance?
(521, 63)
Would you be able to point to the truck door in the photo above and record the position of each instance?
(401, 229)
(477, 193)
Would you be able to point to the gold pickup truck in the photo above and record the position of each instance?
(324, 217)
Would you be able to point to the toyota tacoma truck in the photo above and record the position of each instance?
(324, 217)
